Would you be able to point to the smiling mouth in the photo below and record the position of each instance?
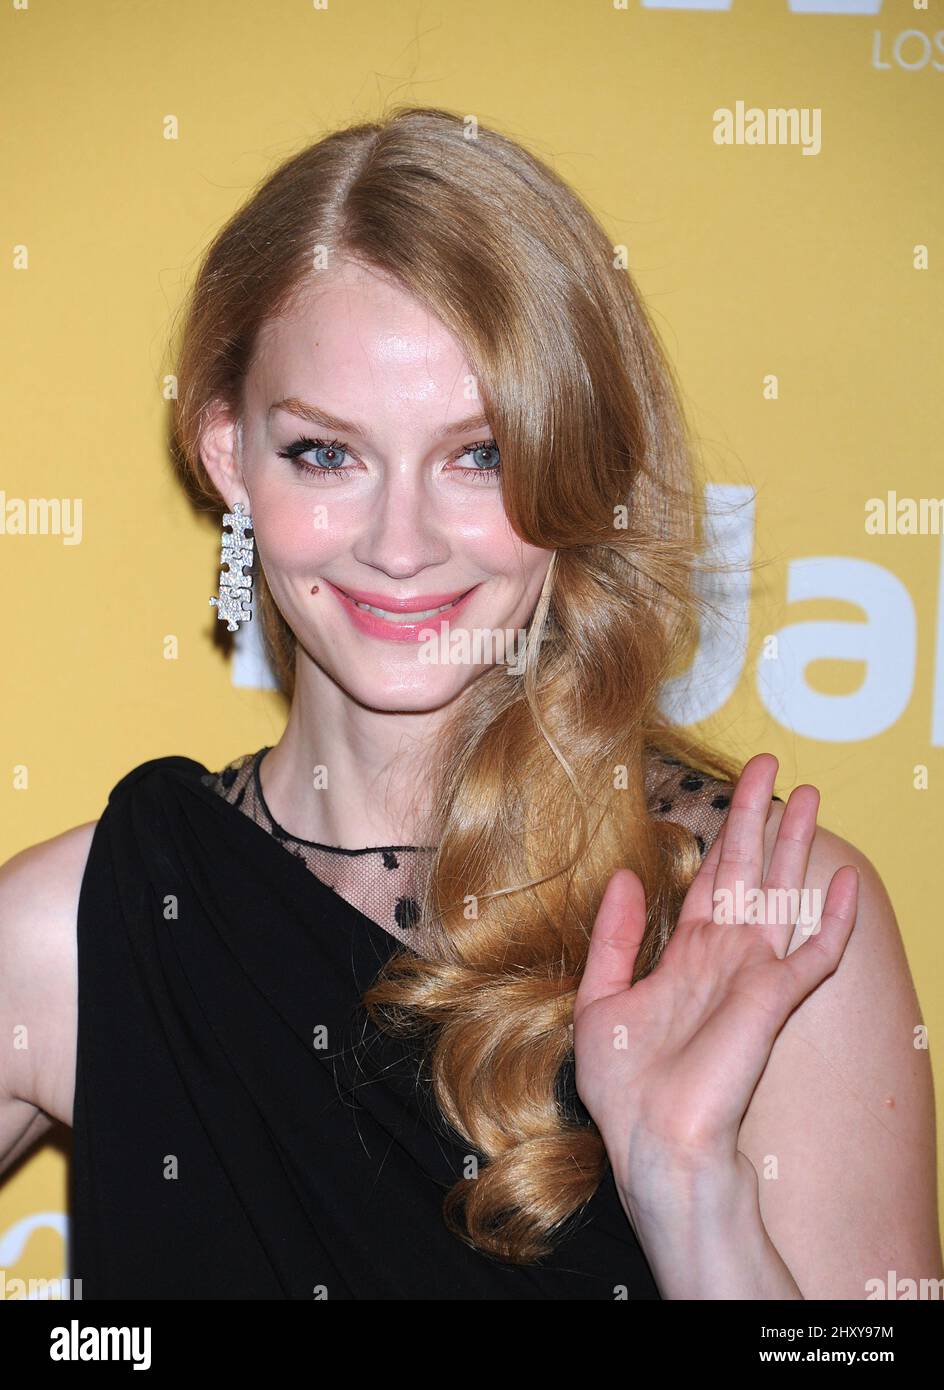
(416, 617)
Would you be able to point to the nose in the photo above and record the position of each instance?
(402, 533)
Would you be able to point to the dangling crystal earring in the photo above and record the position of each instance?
(234, 604)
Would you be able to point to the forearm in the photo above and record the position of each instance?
(704, 1237)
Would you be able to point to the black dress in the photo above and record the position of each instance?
(241, 1130)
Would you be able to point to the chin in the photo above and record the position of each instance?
(420, 696)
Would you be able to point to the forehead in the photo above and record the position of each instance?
(356, 330)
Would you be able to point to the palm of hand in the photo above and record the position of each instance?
(667, 1066)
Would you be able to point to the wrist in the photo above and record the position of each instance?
(654, 1173)
(672, 1192)
(703, 1235)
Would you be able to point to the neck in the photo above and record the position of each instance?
(346, 775)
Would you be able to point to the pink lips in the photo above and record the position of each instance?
(376, 626)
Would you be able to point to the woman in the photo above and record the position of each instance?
(452, 993)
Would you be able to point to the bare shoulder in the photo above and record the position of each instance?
(841, 1127)
(39, 895)
(873, 973)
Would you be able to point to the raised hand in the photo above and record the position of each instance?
(667, 1067)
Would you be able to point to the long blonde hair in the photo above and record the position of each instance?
(540, 787)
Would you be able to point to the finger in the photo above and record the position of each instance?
(819, 955)
(618, 929)
(697, 906)
(741, 861)
(785, 882)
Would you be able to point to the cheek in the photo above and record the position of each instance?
(525, 565)
(496, 548)
(535, 562)
(300, 532)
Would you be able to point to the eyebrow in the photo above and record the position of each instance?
(316, 416)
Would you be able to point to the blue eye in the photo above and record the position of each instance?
(332, 454)
(331, 462)
(331, 447)
(488, 470)
(488, 447)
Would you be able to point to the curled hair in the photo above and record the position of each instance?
(539, 791)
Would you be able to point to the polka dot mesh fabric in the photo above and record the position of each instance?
(380, 881)
(681, 793)
(384, 881)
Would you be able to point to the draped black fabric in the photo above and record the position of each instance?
(241, 1129)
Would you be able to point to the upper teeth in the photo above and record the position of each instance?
(404, 617)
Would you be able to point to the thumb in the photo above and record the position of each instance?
(618, 930)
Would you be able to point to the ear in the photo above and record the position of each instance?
(221, 451)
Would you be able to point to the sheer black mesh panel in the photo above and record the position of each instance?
(380, 882)
(384, 882)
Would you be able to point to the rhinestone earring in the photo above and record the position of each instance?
(234, 604)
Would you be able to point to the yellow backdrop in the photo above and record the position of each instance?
(793, 264)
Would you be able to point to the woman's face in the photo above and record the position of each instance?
(371, 478)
